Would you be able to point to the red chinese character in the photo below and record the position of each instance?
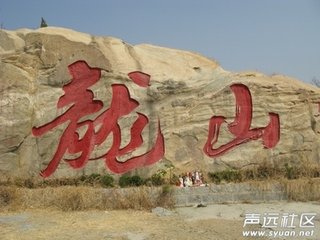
(81, 102)
(240, 127)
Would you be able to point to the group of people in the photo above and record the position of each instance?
(190, 179)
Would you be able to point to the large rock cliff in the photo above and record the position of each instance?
(73, 104)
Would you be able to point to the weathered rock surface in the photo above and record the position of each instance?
(185, 91)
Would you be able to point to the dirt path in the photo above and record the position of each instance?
(219, 222)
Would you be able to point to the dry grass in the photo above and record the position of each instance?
(39, 182)
(306, 189)
(301, 182)
(77, 198)
(8, 195)
(301, 190)
(267, 171)
(72, 198)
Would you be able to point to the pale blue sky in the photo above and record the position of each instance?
(274, 36)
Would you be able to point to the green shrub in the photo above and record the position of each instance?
(93, 178)
(291, 172)
(215, 177)
(136, 181)
(107, 180)
(126, 181)
(174, 179)
(226, 175)
(266, 171)
(158, 179)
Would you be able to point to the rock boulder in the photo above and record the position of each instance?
(197, 115)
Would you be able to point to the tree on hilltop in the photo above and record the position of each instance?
(316, 81)
(43, 23)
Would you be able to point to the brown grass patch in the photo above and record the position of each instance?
(302, 189)
(72, 198)
(267, 171)
(306, 189)
(7, 196)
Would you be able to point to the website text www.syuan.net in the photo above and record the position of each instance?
(276, 225)
(280, 233)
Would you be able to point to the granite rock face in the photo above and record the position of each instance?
(185, 94)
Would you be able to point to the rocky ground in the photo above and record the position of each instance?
(211, 222)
